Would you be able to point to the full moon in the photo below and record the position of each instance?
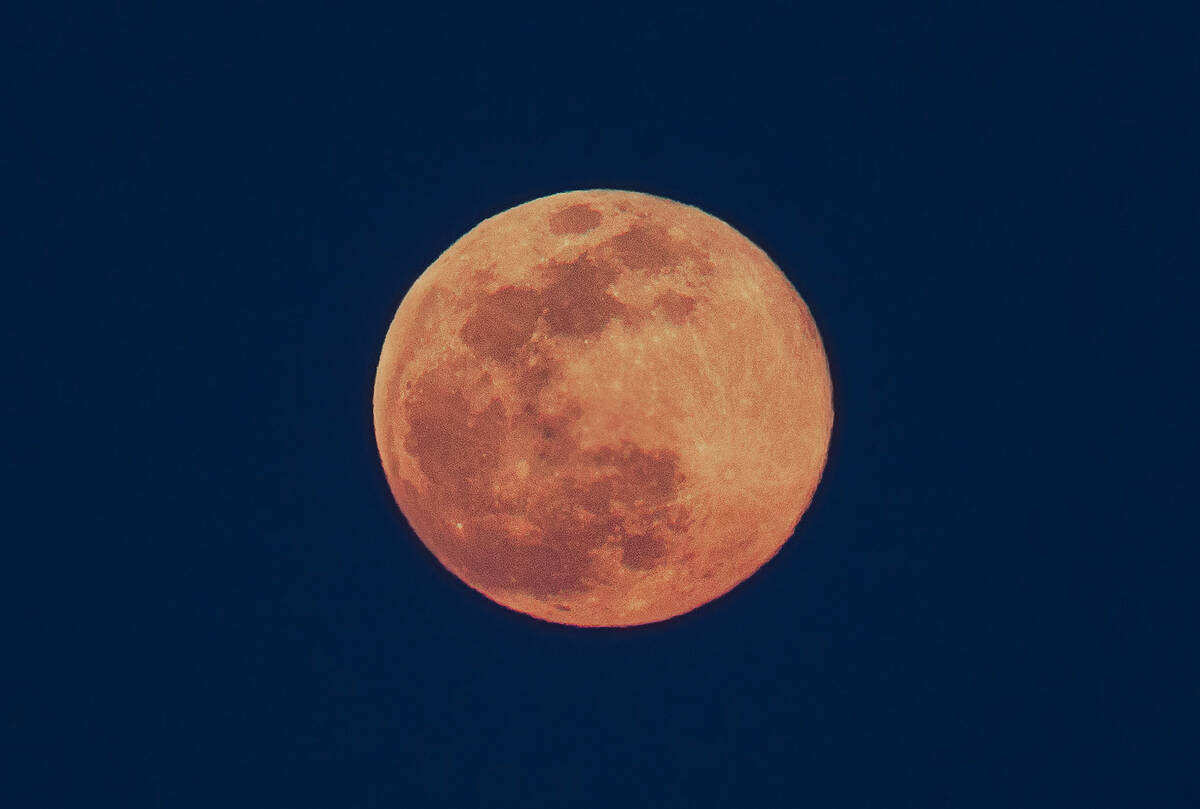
(603, 408)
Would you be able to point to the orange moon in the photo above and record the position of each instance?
(603, 408)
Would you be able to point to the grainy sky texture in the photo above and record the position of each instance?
(211, 217)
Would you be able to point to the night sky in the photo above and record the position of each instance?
(212, 215)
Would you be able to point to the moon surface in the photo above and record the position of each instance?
(603, 408)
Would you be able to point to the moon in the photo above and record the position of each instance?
(603, 408)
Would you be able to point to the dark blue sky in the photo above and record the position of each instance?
(215, 214)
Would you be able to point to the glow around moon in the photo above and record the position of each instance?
(603, 408)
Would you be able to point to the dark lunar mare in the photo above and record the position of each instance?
(573, 500)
